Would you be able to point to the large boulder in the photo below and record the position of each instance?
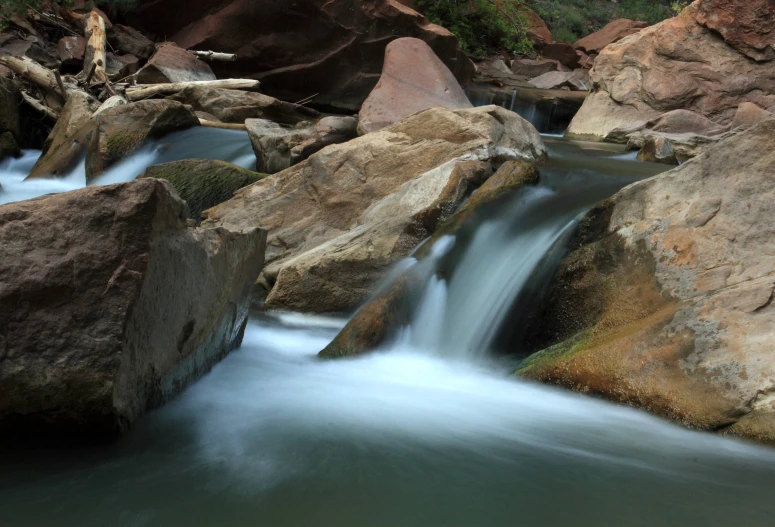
(413, 79)
(171, 63)
(748, 115)
(111, 305)
(10, 102)
(612, 32)
(564, 53)
(677, 64)
(746, 25)
(665, 300)
(71, 50)
(330, 49)
(203, 183)
(111, 135)
(129, 41)
(235, 106)
(315, 208)
(280, 147)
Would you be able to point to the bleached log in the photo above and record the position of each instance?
(224, 126)
(95, 56)
(39, 106)
(145, 91)
(111, 102)
(214, 55)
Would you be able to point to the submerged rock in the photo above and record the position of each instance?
(413, 79)
(350, 195)
(678, 64)
(111, 306)
(665, 300)
(203, 183)
(235, 106)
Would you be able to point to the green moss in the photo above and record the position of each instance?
(120, 145)
(203, 183)
(552, 355)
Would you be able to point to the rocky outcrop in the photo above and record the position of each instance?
(171, 63)
(111, 135)
(391, 307)
(677, 64)
(330, 49)
(235, 106)
(278, 147)
(537, 30)
(612, 32)
(665, 301)
(748, 115)
(746, 25)
(203, 183)
(99, 321)
(325, 215)
(413, 79)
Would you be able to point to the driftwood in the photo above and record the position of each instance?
(28, 69)
(224, 126)
(214, 55)
(95, 57)
(39, 106)
(145, 91)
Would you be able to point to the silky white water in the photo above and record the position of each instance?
(426, 432)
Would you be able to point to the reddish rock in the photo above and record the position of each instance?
(537, 30)
(121, 66)
(70, 50)
(171, 63)
(332, 49)
(746, 25)
(534, 68)
(413, 79)
(613, 32)
(576, 80)
(586, 61)
(749, 115)
(129, 41)
(562, 52)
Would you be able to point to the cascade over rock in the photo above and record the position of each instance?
(337, 220)
(682, 63)
(665, 301)
(413, 79)
(99, 319)
(330, 49)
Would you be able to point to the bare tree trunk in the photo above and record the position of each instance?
(224, 126)
(145, 91)
(214, 55)
(28, 69)
(95, 48)
(39, 106)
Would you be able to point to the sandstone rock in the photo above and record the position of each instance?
(535, 68)
(129, 41)
(746, 25)
(677, 64)
(554, 80)
(748, 115)
(203, 183)
(110, 136)
(391, 307)
(173, 64)
(562, 52)
(613, 32)
(346, 189)
(673, 122)
(278, 147)
(121, 66)
(537, 30)
(413, 79)
(586, 61)
(671, 148)
(235, 106)
(658, 149)
(10, 101)
(664, 302)
(332, 48)
(71, 50)
(8, 146)
(100, 322)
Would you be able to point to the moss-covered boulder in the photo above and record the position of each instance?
(203, 183)
(665, 300)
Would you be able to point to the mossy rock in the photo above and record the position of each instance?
(203, 183)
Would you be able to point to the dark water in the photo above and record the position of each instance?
(411, 436)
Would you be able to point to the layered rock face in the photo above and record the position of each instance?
(413, 79)
(683, 64)
(99, 321)
(665, 301)
(332, 49)
(340, 218)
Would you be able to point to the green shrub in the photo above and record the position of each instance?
(482, 26)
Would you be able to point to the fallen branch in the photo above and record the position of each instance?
(39, 106)
(224, 126)
(145, 91)
(61, 85)
(28, 69)
(95, 57)
(214, 55)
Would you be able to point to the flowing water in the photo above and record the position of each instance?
(425, 432)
